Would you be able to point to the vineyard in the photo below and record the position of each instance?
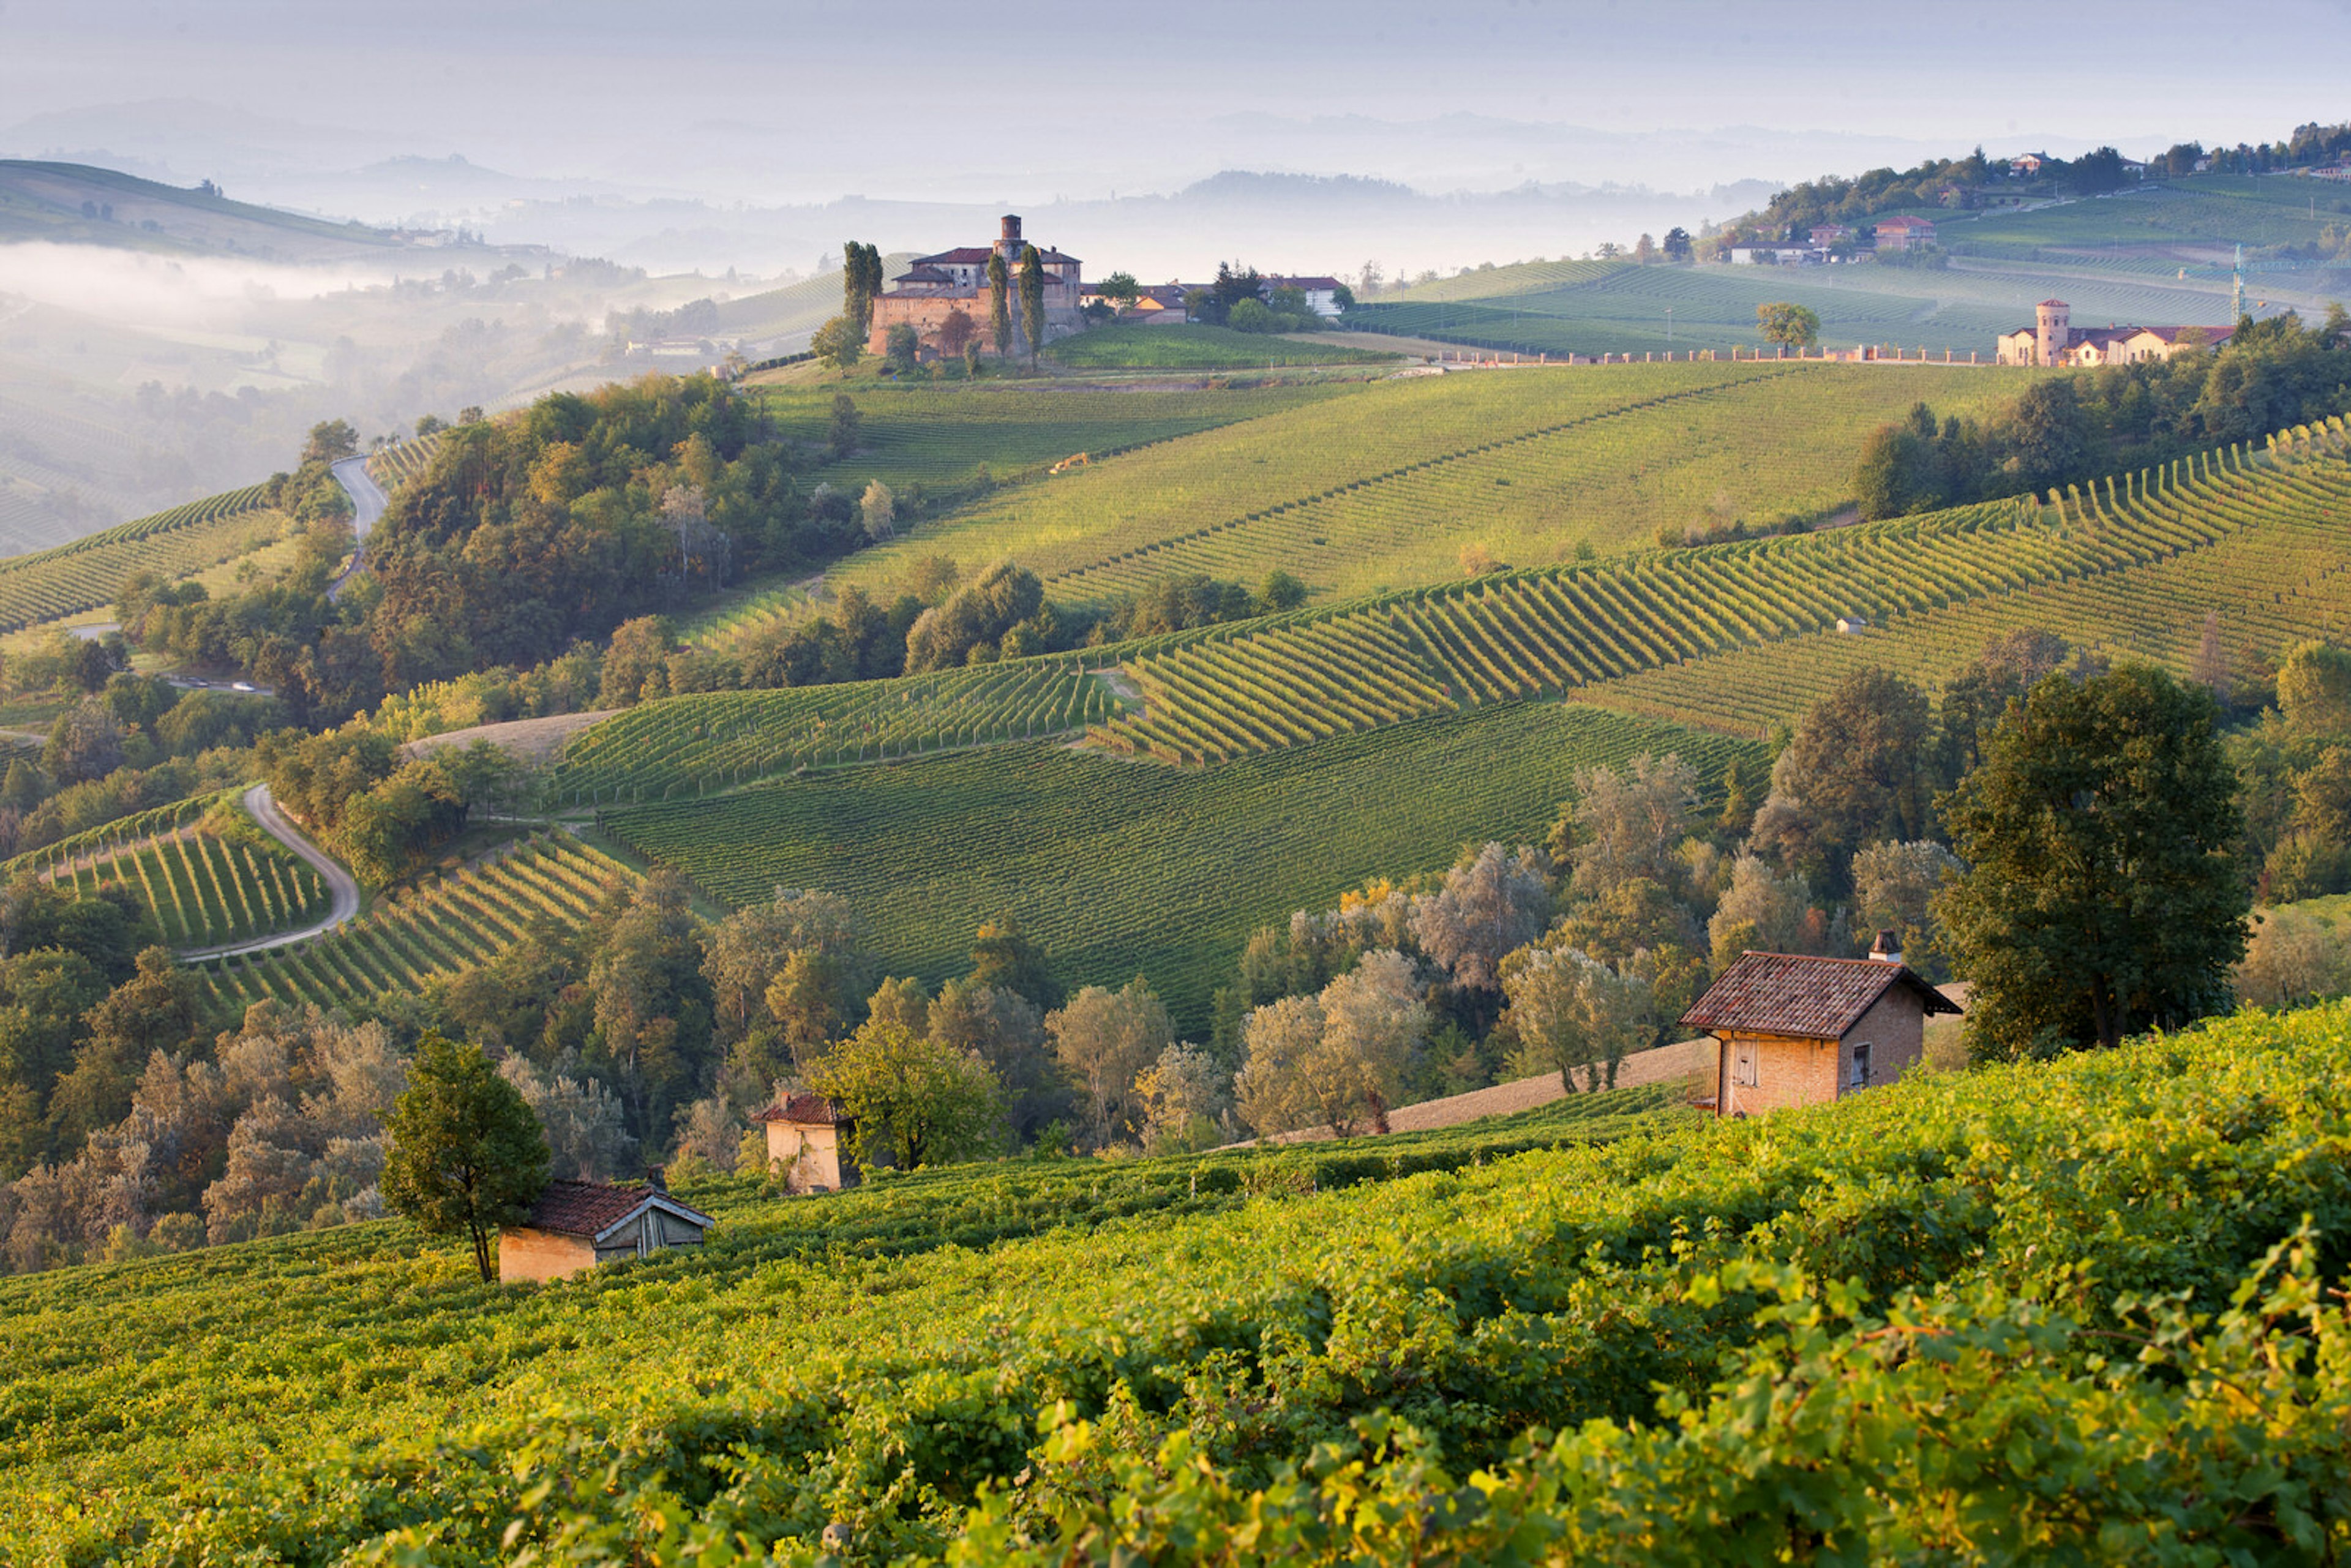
(120, 834)
(90, 571)
(692, 744)
(205, 890)
(1120, 869)
(2221, 531)
(432, 931)
(1880, 1327)
(1386, 486)
(391, 466)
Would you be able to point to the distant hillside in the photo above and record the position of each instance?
(74, 203)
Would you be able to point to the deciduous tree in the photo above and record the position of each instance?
(2103, 894)
(1786, 323)
(467, 1152)
(914, 1100)
(1105, 1038)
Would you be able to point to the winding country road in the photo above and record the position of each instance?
(344, 890)
(368, 502)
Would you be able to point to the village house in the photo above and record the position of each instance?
(2027, 167)
(806, 1138)
(936, 289)
(1905, 234)
(2053, 340)
(1827, 235)
(1796, 1030)
(1157, 305)
(576, 1225)
(1322, 293)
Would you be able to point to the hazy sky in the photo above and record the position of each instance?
(757, 100)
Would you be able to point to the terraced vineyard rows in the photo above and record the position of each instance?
(106, 839)
(90, 571)
(402, 460)
(1386, 486)
(1120, 869)
(689, 744)
(2284, 577)
(204, 890)
(438, 930)
(1226, 694)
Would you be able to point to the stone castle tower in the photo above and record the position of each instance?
(2053, 321)
(1008, 242)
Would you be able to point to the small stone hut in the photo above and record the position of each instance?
(1797, 1030)
(576, 1225)
(806, 1139)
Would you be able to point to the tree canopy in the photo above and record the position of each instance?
(466, 1151)
(2103, 893)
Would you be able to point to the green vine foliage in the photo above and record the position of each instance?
(2089, 1310)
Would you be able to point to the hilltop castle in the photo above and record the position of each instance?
(938, 287)
(2053, 340)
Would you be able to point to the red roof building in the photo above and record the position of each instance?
(1792, 1029)
(576, 1225)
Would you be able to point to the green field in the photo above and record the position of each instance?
(204, 890)
(691, 745)
(90, 571)
(1197, 346)
(1881, 1326)
(1384, 486)
(2217, 533)
(1121, 867)
(945, 433)
(434, 929)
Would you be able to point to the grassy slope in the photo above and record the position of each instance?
(319, 1389)
(1121, 868)
(1198, 347)
(1407, 473)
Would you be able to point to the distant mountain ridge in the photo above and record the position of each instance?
(78, 204)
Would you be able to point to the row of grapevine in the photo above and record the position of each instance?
(89, 572)
(111, 838)
(1375, 510)
(2249, 596)
(1524, 635)
(393, 465)
(205, 890)
(1090, 517)
(689, 746)
(435, 930)
(1120, 869)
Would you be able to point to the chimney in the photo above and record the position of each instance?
(1887, 949)
(655, 1180)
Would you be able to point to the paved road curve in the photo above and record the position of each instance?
(345, 891)
(368, 502)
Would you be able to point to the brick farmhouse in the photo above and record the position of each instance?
(1796, 1030)
(576, 1225)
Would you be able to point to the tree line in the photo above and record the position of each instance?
(2268, 375)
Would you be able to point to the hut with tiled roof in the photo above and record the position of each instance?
(808, 1137)
(576, 1225)
(1796, 1030)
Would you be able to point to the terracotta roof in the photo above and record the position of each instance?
(927, 275)
(963, 256)
(1808, 999)
(1051, 257)
(1905, 222)
(805, 1108)
(2059, 303)
(591, 1207)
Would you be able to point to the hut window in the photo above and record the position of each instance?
(1743, 1064)
(1860, 1075)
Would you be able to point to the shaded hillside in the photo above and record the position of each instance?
(74, 203)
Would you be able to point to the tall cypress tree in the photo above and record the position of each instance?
(861, 281)
(1000, 304)
(1032, 300)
